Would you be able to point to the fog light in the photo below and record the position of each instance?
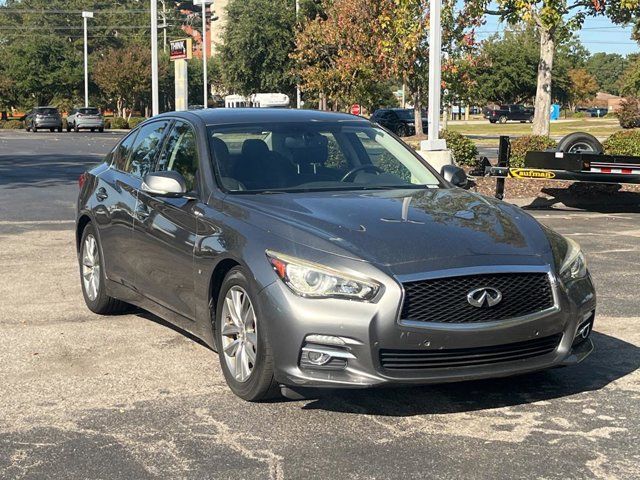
(318, 358)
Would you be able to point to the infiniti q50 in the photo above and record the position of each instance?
(314, 249)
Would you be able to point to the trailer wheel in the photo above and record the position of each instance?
(580, 142)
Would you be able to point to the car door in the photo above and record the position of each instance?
(113, 205)
(165, 227)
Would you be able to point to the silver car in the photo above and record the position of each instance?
(88, 118)
(316, 250)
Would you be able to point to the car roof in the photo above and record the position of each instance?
(216, 116)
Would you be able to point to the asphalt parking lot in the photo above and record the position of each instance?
(129, 397)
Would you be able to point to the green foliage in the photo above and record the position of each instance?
(135, 121)
(119, 122)
(463, 149)
(577, 115)
(257, 42)
(629, 113)
(12, 124)
(623, 143)
(630, 80)
(528, 143)
(607, 68)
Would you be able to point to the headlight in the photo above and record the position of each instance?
(309, 279)
(574, 264)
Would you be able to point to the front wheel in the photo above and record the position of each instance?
(92, 276)
(402, 131)
(243, 347)
(502, 120)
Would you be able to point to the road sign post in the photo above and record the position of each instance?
(181, 51)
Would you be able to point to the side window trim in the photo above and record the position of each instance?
(199, 186)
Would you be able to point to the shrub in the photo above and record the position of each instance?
(528, 143)
(135, 121)
(629, 113)
(119, 122)
(463, 149)
(107, 123)
(623, 143)
(578, 115)
(12, 124)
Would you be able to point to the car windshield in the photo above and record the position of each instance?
(312, 156)
(47, 111)
(88, 111)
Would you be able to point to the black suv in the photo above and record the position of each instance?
(43, 117)
(400, 121)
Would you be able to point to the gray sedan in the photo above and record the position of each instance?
(316, 250)
(87, 118)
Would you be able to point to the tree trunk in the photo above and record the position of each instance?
(417, 111)
(541, 119)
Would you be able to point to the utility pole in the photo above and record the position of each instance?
(204, 53)
(86, 15)
(298, 95)
(155, 102)
(435, 76)
(164, 25)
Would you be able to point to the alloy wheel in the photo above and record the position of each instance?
(239, 334)
(91, 267)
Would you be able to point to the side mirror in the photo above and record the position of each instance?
(164, 184)
(454, 175)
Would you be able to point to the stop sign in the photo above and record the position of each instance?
(355, 109)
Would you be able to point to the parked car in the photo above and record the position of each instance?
(314, 249)
(43, 117)
(509, 112)
(598, 112)
(87, 118)
(400, 121)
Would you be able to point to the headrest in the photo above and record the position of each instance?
(220, 149)
(308, 148)
(254, 148)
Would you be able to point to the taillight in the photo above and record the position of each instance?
(82, 180)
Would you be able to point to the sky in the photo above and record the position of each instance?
(598, 35)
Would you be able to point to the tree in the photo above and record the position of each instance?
(553, 20)
(630, 80)
(583, 86)
(607, 68)
(124, 75)
(257, 42)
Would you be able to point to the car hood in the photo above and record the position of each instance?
(395, 227)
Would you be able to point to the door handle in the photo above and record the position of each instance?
(142, 212)
(102, 194)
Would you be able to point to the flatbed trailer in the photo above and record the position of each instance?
(568, 166)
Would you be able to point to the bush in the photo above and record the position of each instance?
(107, 123)
(629, 113)
(528, 143)
(623, 143)
(578, 115)
(12, 124)
(135, 121)
(463, 149)
(119, 122)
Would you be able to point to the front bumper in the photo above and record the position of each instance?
(369, 328)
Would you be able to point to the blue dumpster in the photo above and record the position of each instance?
(555, 112)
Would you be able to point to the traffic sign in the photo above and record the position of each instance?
(355, 109)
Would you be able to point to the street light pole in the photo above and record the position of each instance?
(155, 102)
(204, 53)
(298, 95)
(86, 15)
(435, 76)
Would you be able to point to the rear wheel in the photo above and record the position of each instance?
(92, 276)
(402, 131)
(492, 121)
(243, 347)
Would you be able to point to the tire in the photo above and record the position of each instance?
(402, 131)
(492, 121)
(101, 129)
(502, 120)
(259, 384)
(75, 128)
(580, 142)
(93, 130)
(59, 129)
(95, 296)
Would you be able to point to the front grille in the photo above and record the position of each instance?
(467, 357)
(445, 299)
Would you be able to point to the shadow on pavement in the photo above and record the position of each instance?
(612, 359)
(601, 198)
(17, 171)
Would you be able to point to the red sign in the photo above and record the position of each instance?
(180, 49)
(355, 109)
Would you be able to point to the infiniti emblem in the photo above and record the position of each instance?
(484, 297)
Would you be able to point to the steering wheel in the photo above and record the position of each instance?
(359, 169)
